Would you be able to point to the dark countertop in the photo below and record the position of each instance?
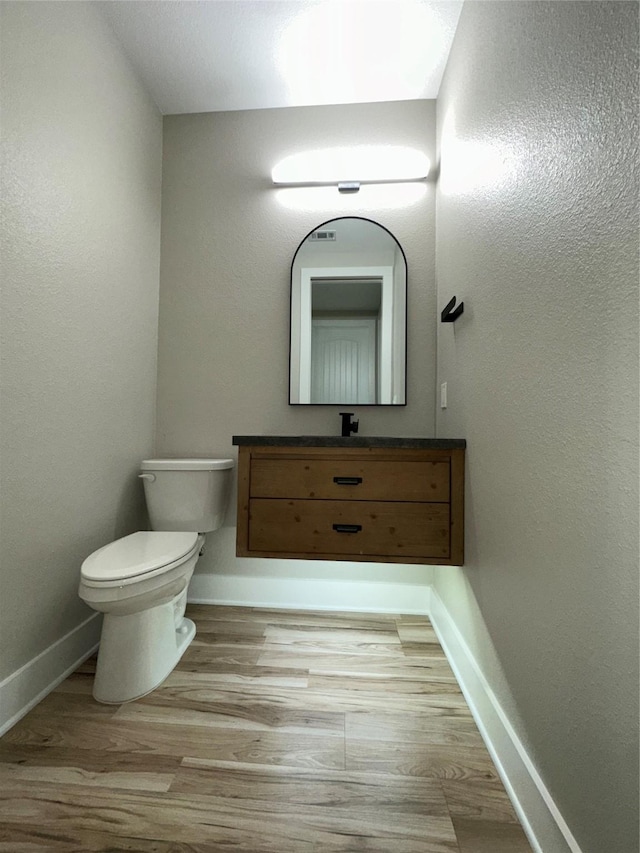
(352, 441)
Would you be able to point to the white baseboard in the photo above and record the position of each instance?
(310, 594)
(540, 817)
(32, 682)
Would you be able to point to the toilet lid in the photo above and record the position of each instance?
(137, 554)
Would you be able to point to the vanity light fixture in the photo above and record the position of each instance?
(350, 167)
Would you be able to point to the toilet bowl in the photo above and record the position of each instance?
(140, 581)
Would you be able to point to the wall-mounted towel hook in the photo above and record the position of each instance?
(448, 315)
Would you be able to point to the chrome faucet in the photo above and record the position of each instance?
(348, 426)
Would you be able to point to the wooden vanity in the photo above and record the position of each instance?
(387, 500)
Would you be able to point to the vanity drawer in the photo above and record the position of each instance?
(351, 479)
(407, 502)
(308, 528)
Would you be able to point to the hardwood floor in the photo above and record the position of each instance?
(279, 732)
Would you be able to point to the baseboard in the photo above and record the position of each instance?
(540, 817)
(310, 594)
(32, 682)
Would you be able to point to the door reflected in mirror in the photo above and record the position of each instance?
(348, 316)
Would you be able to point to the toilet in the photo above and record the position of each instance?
(140, 581)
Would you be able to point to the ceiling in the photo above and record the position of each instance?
(210, 55)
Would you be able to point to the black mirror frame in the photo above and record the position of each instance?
(406, 313)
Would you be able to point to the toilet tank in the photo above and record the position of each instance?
(186, 494)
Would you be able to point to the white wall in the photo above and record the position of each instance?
(538, 233)
(80, 266)
(228, 239)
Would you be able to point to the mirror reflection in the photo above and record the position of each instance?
(348, 316)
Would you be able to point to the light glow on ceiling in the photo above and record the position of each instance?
(357, 51)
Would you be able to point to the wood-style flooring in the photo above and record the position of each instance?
(278, 732)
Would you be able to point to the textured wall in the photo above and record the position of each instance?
(80, 266)
(538, 233)
(228, 239)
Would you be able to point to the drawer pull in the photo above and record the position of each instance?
(347, 481)
(347, 528)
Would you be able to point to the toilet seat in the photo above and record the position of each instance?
(137, 557)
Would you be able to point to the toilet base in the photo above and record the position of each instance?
(139, 650)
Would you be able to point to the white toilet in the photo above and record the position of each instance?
(140, 581)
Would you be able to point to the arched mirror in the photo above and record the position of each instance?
(348, 342)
